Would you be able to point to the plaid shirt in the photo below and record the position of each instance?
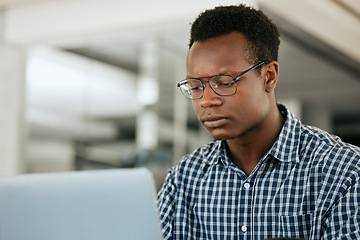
(306, 186)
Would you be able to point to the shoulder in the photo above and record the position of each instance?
(326, 144)
(312, 143)
(329, 157)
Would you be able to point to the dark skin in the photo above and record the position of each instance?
(249, 120)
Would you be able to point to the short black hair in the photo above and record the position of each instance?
(262, 35)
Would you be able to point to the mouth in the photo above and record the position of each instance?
(214, 122)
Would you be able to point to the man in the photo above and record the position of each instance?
(265, 175)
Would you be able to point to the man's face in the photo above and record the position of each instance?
(238, 115)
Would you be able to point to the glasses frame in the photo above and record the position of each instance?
(235, 79)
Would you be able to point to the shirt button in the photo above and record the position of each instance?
(243, 228)
(246, 185)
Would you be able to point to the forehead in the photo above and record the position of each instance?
(217, 55)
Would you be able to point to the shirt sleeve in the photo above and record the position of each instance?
(166, 203)
(344, 219)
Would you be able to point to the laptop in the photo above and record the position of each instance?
(88, 205)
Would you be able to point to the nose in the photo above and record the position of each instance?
(210, 98)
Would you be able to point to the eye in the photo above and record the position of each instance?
(195, 85)
(194, 89)
(222, 81)
(226, 84)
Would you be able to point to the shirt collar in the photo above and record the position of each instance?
(285, 149)
(217, 152)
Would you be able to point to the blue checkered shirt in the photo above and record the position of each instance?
(306, 186)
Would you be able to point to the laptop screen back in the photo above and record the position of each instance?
(89, 205)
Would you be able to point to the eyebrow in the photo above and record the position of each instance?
(222, 73)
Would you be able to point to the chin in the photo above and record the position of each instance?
(221, 136)
(224, 138)
(225, 135)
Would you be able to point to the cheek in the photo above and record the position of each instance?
(196, 107)
(252, 92)
(250, 102)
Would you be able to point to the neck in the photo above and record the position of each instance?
(246, 151)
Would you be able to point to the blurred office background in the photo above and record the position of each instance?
(91, 84)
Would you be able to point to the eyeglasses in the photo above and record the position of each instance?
(223, 85)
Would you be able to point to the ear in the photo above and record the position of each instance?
(271, 76)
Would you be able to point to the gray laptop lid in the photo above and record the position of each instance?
(89, 205)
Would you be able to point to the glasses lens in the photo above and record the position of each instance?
(192, 88)
(223, 85)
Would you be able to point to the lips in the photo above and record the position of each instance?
(214, 122)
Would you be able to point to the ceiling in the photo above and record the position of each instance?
(319, 57)
(315, 71)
